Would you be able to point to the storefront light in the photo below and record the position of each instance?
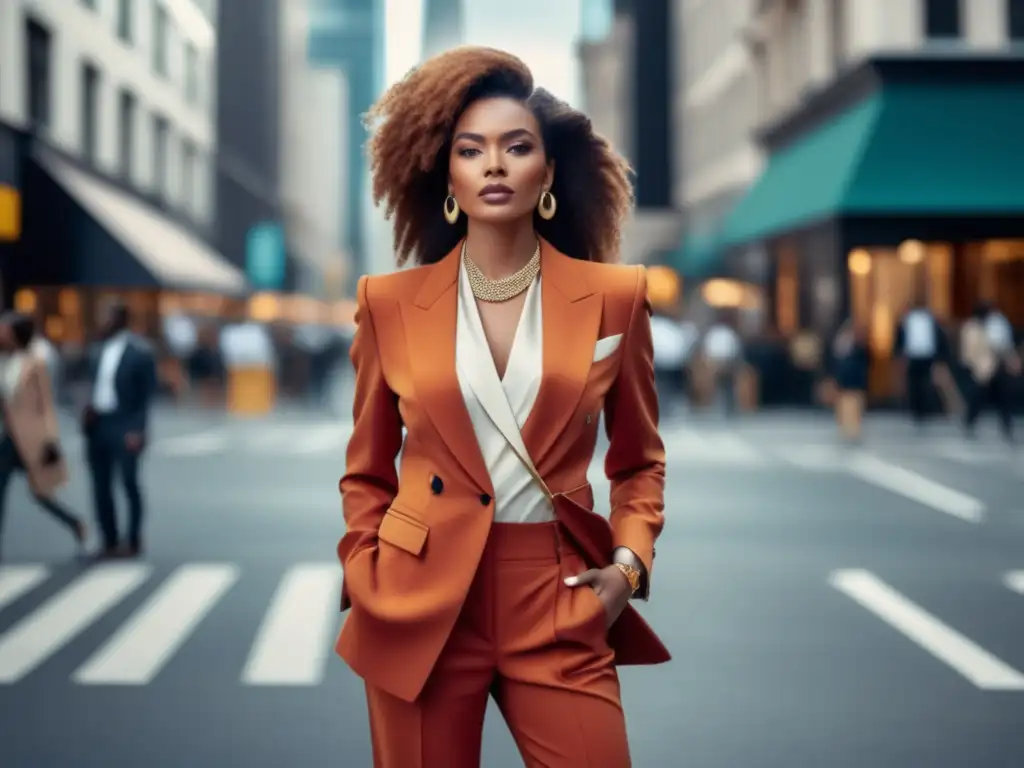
(859, 262)
(264, 308)
(25, 301)
(912, 251)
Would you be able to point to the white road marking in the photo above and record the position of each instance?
(973, 662)
(199, 444)
(916, 487)
(320, 440)
(711, 447)
(292, 644)
(64, 616)
(140, 649)
(1015, 580)
(18, 580)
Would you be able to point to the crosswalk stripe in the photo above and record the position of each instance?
(1014, 580)
(18, 580)
(292, 644)
(64, 616)
(320, 441)
(141, 648)
(916, 487)
(973, 662)
(202, 443)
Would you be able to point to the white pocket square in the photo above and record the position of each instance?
(606, 346)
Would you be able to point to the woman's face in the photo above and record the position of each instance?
(497, 170)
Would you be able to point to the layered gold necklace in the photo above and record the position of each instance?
(505, 288)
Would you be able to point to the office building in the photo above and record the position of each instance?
(108, 113)
(891, 129)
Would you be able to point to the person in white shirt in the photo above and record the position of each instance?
(987, 351)
(922, 344)
(723, 350)
(124, 381)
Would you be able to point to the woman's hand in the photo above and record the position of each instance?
(611, 587)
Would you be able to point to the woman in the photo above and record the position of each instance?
(484, 570)
(31, 438)
(988, 354)
(850, 365)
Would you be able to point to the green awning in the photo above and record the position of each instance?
(697, 255)
(911, 149)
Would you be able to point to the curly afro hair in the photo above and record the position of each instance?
(411, 127)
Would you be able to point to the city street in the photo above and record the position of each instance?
(826, 607)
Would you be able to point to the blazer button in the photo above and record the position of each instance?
(436, 485)
(485, 499)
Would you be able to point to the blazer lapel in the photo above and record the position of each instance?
(572, 321)
(430, 323)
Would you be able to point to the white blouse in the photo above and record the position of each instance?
(498, 408)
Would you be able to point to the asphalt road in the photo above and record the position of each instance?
(824, 607)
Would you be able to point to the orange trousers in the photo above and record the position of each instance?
(539, 647)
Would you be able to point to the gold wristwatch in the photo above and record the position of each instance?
(632, 576)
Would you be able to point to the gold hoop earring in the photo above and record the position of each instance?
(546, 206)
(451, 209)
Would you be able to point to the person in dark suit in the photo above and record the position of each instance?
(124, 381)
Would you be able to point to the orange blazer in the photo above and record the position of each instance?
(410, 553)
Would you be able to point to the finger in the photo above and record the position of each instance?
(587, 577)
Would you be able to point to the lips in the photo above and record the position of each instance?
(497, 194)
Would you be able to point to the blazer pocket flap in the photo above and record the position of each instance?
(604, 347)
(400, 530)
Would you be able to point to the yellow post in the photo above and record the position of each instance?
(252, 390)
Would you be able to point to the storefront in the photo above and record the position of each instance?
(902, 181)
(10, 201)
(85, 239)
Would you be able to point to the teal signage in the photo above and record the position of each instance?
(265, 256)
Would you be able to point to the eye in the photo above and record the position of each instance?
(468, 152)
(522, 148)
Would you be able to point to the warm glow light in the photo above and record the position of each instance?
(663, 286)
(859, 262)
(727, 293)
(911, 251)
(25, 301)
(264, 307)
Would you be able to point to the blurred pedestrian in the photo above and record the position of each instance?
(850, 365)
(723, 350)
(987, 351)
(124, 382)
(31, 436)
(923, 347)
(467, 575)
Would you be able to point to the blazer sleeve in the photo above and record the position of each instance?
(370, 482)
(635, 462)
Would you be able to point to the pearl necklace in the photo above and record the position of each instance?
(505, 288)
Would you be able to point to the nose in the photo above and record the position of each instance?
(495, 164)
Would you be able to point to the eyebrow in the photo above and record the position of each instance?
(507, 136)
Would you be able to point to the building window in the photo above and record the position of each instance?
(89, 111)
(942, 19)
(161, 140)
(38, 91)
(1015, 20)
(161, 31)
(191, 74)
(126, 110)
(188, 175)
(125, 17)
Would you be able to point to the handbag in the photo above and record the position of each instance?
(51, 454)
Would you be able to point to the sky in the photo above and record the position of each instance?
(541, 32)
